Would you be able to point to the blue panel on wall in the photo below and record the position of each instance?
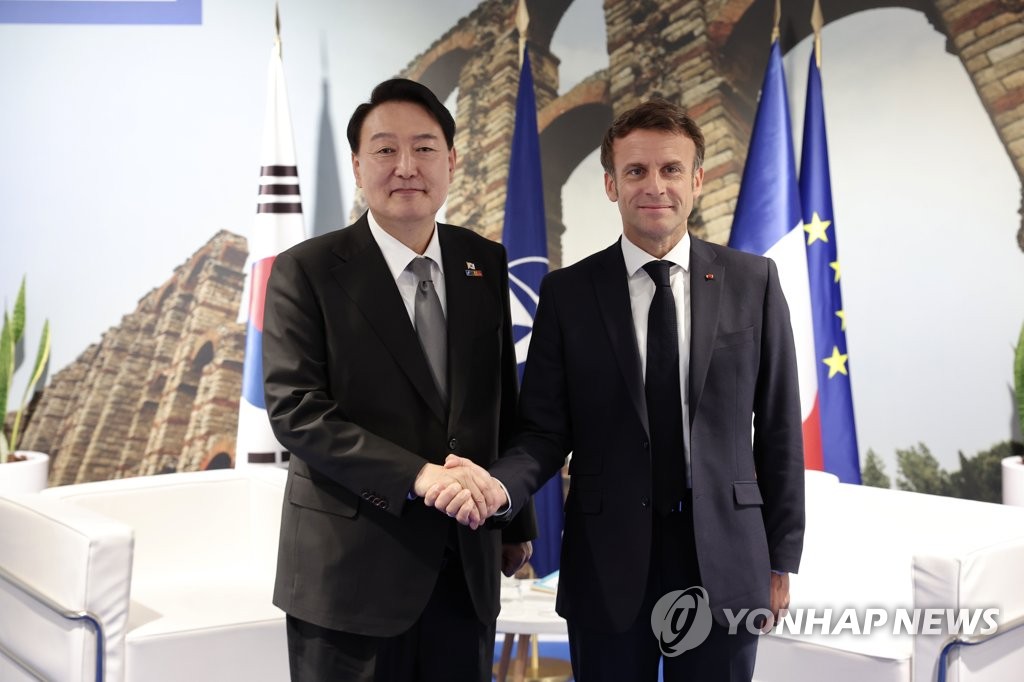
(101, 11)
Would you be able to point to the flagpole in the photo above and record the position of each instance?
(777, 17)
(522, 23)
(277, 32)
(817, 23)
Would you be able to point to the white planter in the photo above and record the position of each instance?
(1013, 481)
(27, 476)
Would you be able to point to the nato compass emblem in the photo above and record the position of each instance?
(524, 277)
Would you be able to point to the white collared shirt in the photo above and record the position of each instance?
(641, 293)
(398, 256)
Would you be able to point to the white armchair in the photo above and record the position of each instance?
(144, 579)
(870, 548)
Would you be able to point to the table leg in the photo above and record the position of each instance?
(523, 650)
(506, 654)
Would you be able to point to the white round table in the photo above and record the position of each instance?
(527, 612)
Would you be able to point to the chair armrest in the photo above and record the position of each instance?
(58, 559)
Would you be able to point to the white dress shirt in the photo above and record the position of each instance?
(398, 256)
(641, 293)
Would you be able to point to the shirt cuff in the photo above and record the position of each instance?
(507, 507)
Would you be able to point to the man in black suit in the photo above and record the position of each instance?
(387, 346)
(665, 364)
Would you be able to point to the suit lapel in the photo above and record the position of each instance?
(612, 290)
(705, 297)
(467, 302)
(364, 276)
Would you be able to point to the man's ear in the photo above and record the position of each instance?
(610, 188)
(698, 182)
(355, 170)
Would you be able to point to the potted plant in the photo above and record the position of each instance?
(20, 471)
(1013, 466)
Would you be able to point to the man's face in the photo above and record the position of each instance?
(403, 165)
(654, 186)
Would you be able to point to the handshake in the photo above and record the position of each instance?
(462, 489)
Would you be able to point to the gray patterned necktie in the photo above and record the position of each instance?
(430, 324)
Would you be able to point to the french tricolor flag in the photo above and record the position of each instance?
(768, 221)
(278, 226)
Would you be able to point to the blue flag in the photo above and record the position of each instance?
(838, 432)
(768, 222)
(525, 238)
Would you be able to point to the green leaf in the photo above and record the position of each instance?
(4, 450)
(42, 355)
(6, 365)
(1018, 377)
(19, 314)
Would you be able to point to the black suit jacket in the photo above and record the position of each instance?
(350, 395)
(583, 392)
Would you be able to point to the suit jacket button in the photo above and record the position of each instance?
(645, 502)
(365, 495)
(453, 443)
(383, 504)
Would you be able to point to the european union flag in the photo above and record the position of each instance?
(838, 431)
(526, 239)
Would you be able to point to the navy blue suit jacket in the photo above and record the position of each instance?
(583, 392)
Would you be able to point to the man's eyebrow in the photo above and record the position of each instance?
(392, 136)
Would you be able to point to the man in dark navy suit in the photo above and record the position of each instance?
(665, 365)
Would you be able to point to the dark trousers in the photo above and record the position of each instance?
(599, 656)
(447, 644)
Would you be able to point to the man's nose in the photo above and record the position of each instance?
(405, 165)
(655, 184)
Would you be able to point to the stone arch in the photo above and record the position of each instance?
(155, 388)
(221, 460)
(202, 355)
(197, 270)
(439, 67)
(571, 127)
(219, 455)
(168, 290)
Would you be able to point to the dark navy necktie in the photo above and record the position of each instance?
(661, 386)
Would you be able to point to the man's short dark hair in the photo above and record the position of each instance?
(402, 90)
(656, 114)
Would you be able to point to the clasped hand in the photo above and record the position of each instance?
(462, 489)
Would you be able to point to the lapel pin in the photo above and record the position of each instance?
(472, 270)
(709, 277)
